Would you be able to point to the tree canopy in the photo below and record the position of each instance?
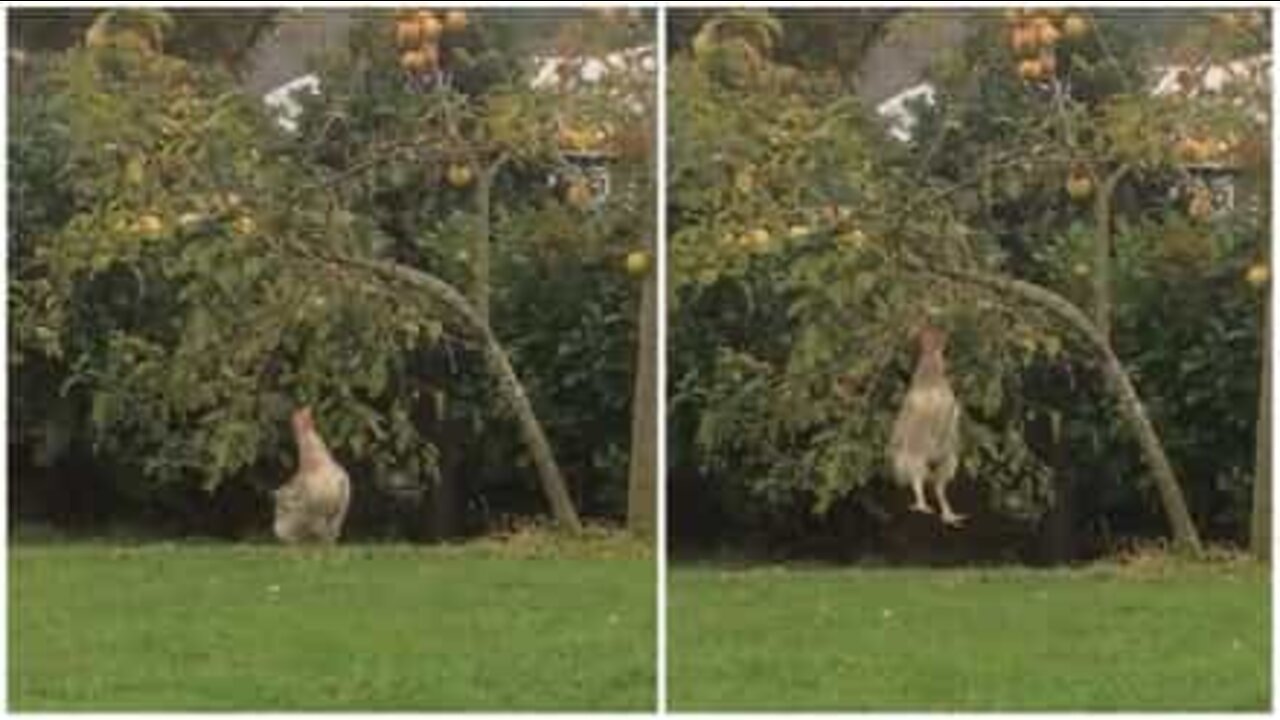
(186, 270)
(807, 244)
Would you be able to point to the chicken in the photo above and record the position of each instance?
(312, 506)
(925, 445)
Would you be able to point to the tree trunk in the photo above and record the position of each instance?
(509, 387)
(1058, 525)
(1260, 520)
(641, 482)
(480, 290)
(553, 485)
(445, 501)
(1102, 303)
(1185, 536)
(479, 293)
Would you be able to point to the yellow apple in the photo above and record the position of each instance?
(638, 262)
(1075, 26)
(244, 225)
(149, 225)
(455, 21)
(459, 175)
(1079, 186)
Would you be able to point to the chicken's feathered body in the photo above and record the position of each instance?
(312, 506)
(925, 444)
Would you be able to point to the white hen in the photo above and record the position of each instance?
(312, 506)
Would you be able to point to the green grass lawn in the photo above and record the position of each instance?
(232, 627)
(1105, 638)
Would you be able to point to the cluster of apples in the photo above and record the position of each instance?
(151, 225)
(581, 139)
(1247, 20)
(418, 35)
(1204, 148)
(1034, 36)
(752, 240)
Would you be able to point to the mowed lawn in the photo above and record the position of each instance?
(1107, 638)
(236, 627)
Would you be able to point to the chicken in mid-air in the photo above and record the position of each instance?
(925, 445)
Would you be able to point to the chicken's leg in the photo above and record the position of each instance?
(942, 479)
(917, 489)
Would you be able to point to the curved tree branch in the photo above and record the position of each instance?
(510, 389)
(1185, 536)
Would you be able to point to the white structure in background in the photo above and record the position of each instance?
(1171, 79)
(1219, 178)
(898, 113)
(282, 100)
(1191, 81)
(557, 73)
(549, 75)
(593, 69)
(285, 105)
